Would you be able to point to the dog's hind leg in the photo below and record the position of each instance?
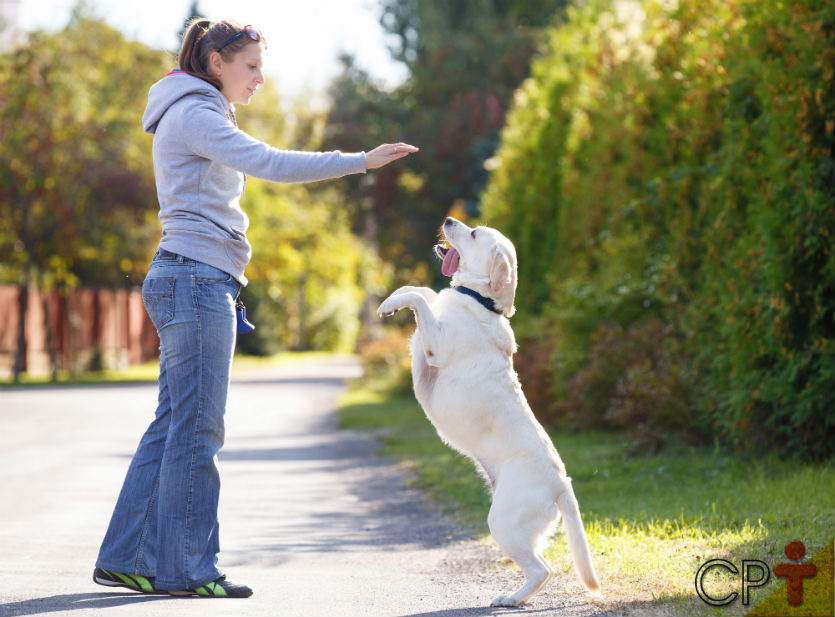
(520, 532)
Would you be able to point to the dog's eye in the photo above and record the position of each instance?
(472, 233)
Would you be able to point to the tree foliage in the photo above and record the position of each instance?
(464, 61)
(77, 194)
(670, 164)
(309, 273)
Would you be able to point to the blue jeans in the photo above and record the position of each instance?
(165, 521)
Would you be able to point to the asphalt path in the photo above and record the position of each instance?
(310, 518)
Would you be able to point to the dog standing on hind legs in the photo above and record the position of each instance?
(463, 377)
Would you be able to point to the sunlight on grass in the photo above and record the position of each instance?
(656, 561)
(651, 521)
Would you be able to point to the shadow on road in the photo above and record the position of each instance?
(79, 601)
(350, 450)
(478, 611)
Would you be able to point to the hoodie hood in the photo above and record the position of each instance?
(171, 89)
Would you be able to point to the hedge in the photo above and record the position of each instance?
(666, 174)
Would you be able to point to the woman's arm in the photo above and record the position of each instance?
(210, 135)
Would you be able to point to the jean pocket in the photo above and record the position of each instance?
(205, 273)
(158, 298)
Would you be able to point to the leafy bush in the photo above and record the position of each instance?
(308, 270)
(77, 197)
(386, 362)
(670, 163)
(533, 364)
(764, 314)
(637, 381)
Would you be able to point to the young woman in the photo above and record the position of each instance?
(163, 535)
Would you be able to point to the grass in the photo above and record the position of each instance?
(149, 371)
(651, 521)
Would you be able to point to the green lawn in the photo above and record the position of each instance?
(651, 521)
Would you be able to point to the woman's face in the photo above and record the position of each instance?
(242, 76)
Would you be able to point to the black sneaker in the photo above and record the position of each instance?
(218, 588)
(137, 582)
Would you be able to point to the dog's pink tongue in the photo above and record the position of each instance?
(450, 265)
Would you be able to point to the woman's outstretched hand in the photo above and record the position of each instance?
(385, 154)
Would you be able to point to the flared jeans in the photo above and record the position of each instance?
(165, 521)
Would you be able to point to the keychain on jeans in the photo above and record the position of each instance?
(243, 324)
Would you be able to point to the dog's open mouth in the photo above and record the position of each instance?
(450, 258)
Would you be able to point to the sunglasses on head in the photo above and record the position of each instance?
(251, 31)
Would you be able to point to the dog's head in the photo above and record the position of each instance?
(481, 256)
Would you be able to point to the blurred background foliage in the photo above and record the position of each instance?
(664, 168)
(666, 173)
(77, 198)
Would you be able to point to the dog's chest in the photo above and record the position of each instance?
(462, 391)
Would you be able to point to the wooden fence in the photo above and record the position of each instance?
(75, 330)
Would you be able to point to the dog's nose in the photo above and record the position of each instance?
(449, 222)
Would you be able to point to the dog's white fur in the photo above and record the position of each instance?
(462, 370)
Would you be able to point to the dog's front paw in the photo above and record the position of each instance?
(504, 601)
(405, 289)
(389, 306)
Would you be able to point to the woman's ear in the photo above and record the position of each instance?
(216, 64)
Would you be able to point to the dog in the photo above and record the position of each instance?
(463, 377)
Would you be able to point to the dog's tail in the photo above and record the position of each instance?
(578, 544)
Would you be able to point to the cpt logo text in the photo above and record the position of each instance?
(755, 573)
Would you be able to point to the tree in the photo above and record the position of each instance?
(465, 59)
(77, 196)
(308, 273)
(671, 199)
(193, 12)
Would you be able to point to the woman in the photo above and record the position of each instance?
(163, 535)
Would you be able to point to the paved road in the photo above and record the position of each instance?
(310, 519)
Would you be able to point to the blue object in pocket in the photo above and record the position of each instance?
(243, 325)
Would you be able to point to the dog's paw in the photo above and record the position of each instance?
(504, 601)
(389, 306)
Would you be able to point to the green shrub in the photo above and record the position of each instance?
(386, 362)
(670, 163)
(764, 313)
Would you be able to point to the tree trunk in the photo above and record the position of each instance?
(369, 322)
(301, 299)
(22, 307)
(49, 334)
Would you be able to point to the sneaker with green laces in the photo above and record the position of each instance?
(137, 582)
(218, 588)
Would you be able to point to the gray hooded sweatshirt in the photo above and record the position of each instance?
(200, 158)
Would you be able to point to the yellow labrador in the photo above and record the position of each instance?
(462, 371)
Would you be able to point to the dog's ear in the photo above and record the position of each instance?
(503, 279)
